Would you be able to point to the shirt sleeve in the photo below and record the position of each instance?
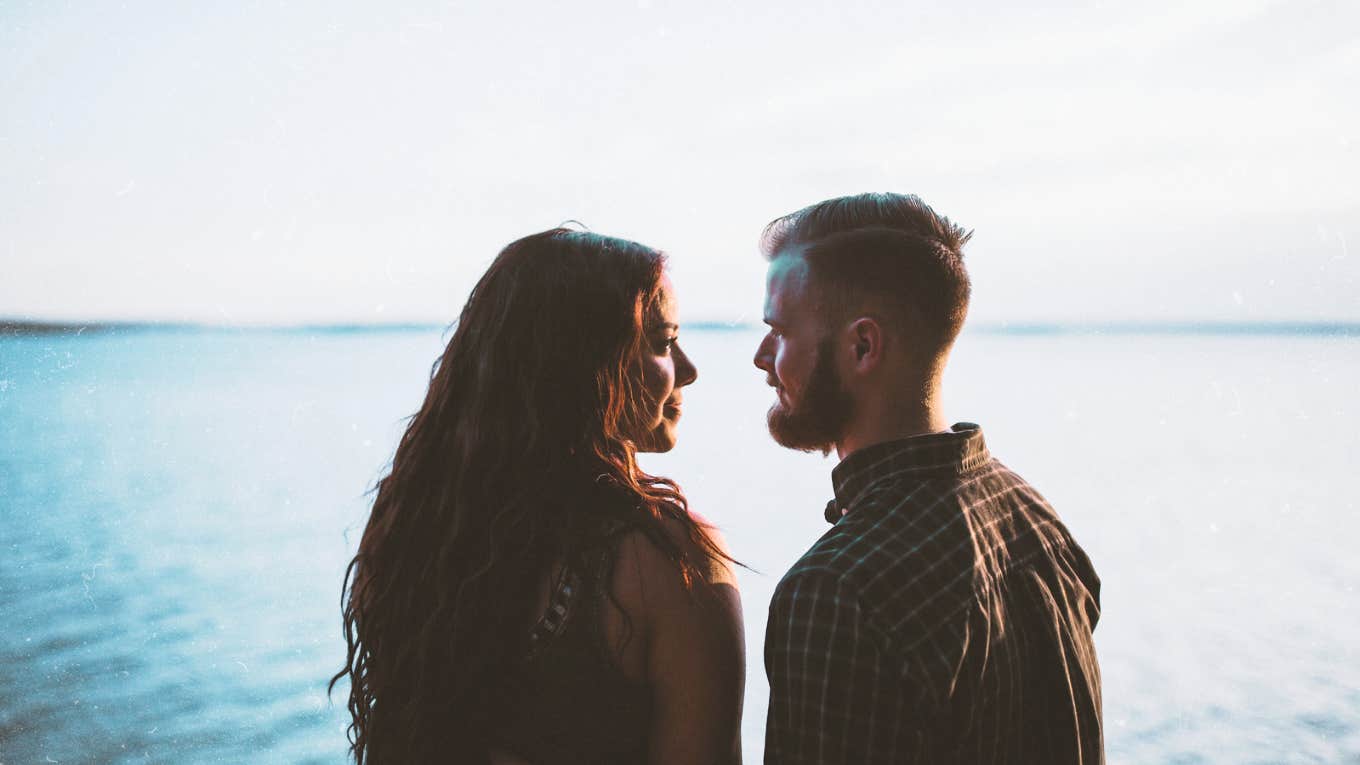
(837, 695)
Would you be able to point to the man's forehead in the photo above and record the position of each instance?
(787, 277)
(788, 270)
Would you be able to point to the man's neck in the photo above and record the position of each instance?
(892, 420)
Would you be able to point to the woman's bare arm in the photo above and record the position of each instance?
(695, 655)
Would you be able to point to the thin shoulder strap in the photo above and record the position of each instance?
(554, 618)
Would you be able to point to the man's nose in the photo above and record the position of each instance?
(762, 357)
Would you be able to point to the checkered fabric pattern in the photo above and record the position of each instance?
(945, 618)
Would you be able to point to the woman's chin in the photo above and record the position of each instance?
(660, 440)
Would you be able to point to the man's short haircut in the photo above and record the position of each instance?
(885, 250)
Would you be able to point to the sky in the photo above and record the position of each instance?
(319, 162)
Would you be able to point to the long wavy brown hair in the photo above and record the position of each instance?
(518, 456)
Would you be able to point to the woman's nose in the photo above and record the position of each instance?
(685, 372)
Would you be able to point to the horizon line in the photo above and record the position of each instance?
(26, 327)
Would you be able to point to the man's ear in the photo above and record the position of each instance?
(866, 342)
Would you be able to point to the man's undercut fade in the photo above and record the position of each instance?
(887, 250)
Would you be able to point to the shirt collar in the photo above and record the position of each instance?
(931, 455)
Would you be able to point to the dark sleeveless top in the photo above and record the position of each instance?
(568, 701)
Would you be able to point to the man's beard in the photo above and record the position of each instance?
(817, 421)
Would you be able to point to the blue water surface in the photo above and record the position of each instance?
(177, 508)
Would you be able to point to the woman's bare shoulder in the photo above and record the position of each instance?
(702, 545)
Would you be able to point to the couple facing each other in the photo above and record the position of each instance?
(524, 593)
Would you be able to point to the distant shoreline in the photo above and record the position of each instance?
(29, 328)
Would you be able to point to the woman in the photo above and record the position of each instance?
(523, 592)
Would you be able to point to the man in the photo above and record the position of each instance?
(946, 617)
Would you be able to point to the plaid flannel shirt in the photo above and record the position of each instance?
(946, 617)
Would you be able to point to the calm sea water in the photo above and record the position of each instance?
(177, 508)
